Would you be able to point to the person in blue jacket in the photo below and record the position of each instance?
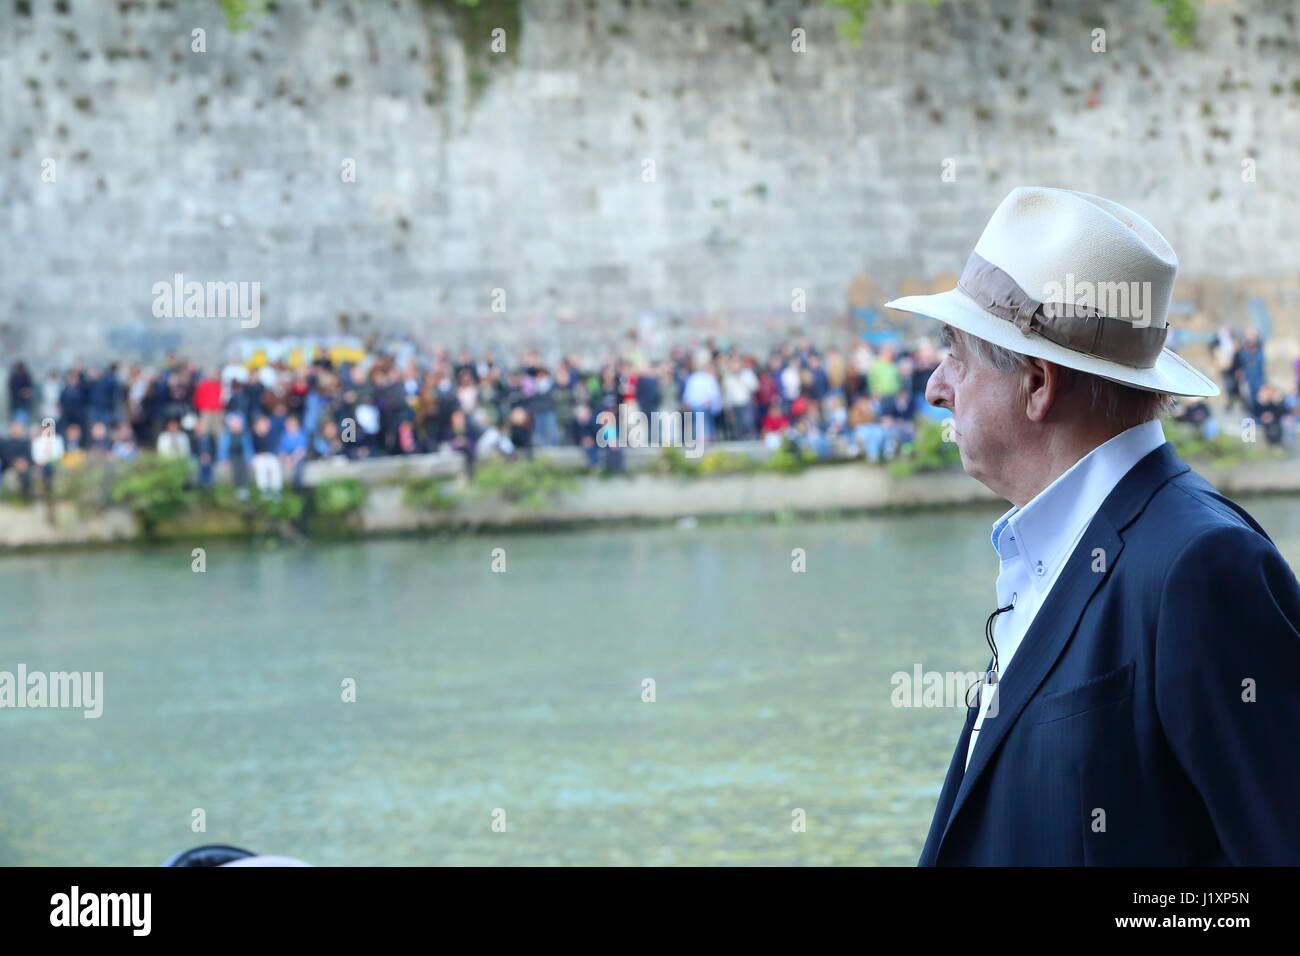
(235, 446)
(1140, 704)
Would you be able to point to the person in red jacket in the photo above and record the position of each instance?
(774, 421)
(207, 400)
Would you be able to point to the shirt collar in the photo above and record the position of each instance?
(1043, 533)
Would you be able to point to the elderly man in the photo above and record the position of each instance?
(1142, 702)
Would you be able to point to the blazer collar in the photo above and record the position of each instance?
(1041, 535)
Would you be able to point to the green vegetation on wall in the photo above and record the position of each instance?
(154, 489)
(1180, 18)
(928, 452)
(339, 496)
(1225, 450)
(428, 494)
(475, 23)
(238, 12)
(788, 459)
(531, 483)
(160, 492)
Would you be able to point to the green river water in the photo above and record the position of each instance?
(514, 696)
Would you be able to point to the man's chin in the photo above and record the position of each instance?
(968, 466)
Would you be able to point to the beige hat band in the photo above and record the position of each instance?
(1079, 328)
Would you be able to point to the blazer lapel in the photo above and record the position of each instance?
(1057, 619)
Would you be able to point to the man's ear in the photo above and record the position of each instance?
(1044, 382)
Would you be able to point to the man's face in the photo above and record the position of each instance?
(988, 414)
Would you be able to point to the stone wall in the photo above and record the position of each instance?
(526, 171)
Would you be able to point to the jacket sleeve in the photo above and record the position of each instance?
(1227, 672)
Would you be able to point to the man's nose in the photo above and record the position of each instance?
(936, 389)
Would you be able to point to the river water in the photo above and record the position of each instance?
(501, 717)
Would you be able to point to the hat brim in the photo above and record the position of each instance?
(1171, 373)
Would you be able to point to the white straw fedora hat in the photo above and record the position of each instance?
(1074, 279)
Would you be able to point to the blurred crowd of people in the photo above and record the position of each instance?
(263, 420)
(1242, 367)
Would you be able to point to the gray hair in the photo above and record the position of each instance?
(1119, 404)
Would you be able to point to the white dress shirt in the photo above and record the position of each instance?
(1034, 542)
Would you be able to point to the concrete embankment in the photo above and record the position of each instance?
(637, 496)
(651, 498)
(63, 524)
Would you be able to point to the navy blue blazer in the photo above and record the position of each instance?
(1151, 715)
